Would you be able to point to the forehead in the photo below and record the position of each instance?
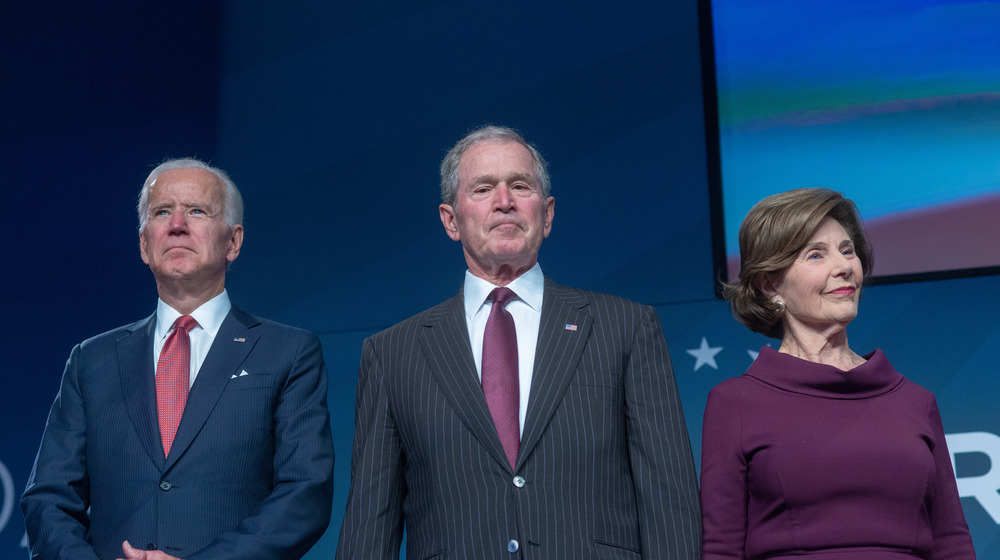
(186, 185)
(829, 228)
(495, 159)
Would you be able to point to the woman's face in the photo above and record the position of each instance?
(822, 286)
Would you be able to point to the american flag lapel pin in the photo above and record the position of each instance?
(570, 327)
(239, 339)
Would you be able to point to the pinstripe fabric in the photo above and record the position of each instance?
(605, 460)
(250, 473)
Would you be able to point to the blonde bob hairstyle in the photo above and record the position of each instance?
(773, 233)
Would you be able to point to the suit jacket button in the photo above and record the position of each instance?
(519, 481)
(150, 546)
(512, 546)
(164, 486)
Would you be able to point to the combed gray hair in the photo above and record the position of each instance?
(232, 201)
(490, 133)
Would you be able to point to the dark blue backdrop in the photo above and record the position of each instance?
(332, 119)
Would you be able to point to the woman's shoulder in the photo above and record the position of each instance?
(735, 388)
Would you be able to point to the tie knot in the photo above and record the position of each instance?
(185, 322)
(502, 296)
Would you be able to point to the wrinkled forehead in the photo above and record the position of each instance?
(187, 186)
(496, 159)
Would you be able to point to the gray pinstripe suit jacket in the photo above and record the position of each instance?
(605, 467)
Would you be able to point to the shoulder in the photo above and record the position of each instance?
(598, 303)
(267, 326)
(109, 338)
(449, 311)
(734, 388)
(880, 364)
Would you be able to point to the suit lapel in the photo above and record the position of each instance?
(445, 344)
(232, 344)
(136, 371)
(562, 335)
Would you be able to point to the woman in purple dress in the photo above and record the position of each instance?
(817, 450)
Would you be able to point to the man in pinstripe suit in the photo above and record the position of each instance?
(603, 466)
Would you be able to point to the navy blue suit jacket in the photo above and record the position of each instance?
(604, 471)
(251, 468)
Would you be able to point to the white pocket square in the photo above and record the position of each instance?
(242, 373)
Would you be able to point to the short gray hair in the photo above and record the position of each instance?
(232, 201)
(490, 133)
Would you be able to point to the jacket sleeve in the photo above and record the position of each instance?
(373, 522)
(57, 496)
(724, 494)
(297, 511)
(659, 449)
(952, 540)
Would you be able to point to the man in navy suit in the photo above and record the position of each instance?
(583, 455)
(247, 473)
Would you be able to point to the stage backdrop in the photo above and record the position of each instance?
(332, 119)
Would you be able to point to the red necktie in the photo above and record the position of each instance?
(499, 378)
(173, 376)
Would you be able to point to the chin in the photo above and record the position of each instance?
(845, 319)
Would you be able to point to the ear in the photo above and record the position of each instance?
(235, 242)
(143, 248)
(450, 221)
(550, 213)
(766, 284)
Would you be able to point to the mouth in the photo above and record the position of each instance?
(507, 226)
(845, 291)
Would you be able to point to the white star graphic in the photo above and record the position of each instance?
(705, 354)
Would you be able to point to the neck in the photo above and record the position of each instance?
(500, 275)
(828, 348)
(186, 299)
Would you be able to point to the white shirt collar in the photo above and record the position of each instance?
(528, 287)
(209, 315)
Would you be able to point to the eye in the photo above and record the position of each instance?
(813, 255)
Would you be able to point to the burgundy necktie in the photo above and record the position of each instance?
(500, 379)
(173, 377)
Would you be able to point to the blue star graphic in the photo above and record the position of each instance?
(705, 354)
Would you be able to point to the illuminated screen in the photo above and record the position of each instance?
(896, 104)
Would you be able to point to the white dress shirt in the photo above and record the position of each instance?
(209, 316)
(527, 313)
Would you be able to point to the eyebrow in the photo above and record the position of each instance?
(823, 245)
(493, 179)
(185, 204)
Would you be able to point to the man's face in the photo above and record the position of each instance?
(500, 215)
(186, 238)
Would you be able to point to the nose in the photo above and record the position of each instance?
(842, 265)
(502, 200)
(178, 222)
